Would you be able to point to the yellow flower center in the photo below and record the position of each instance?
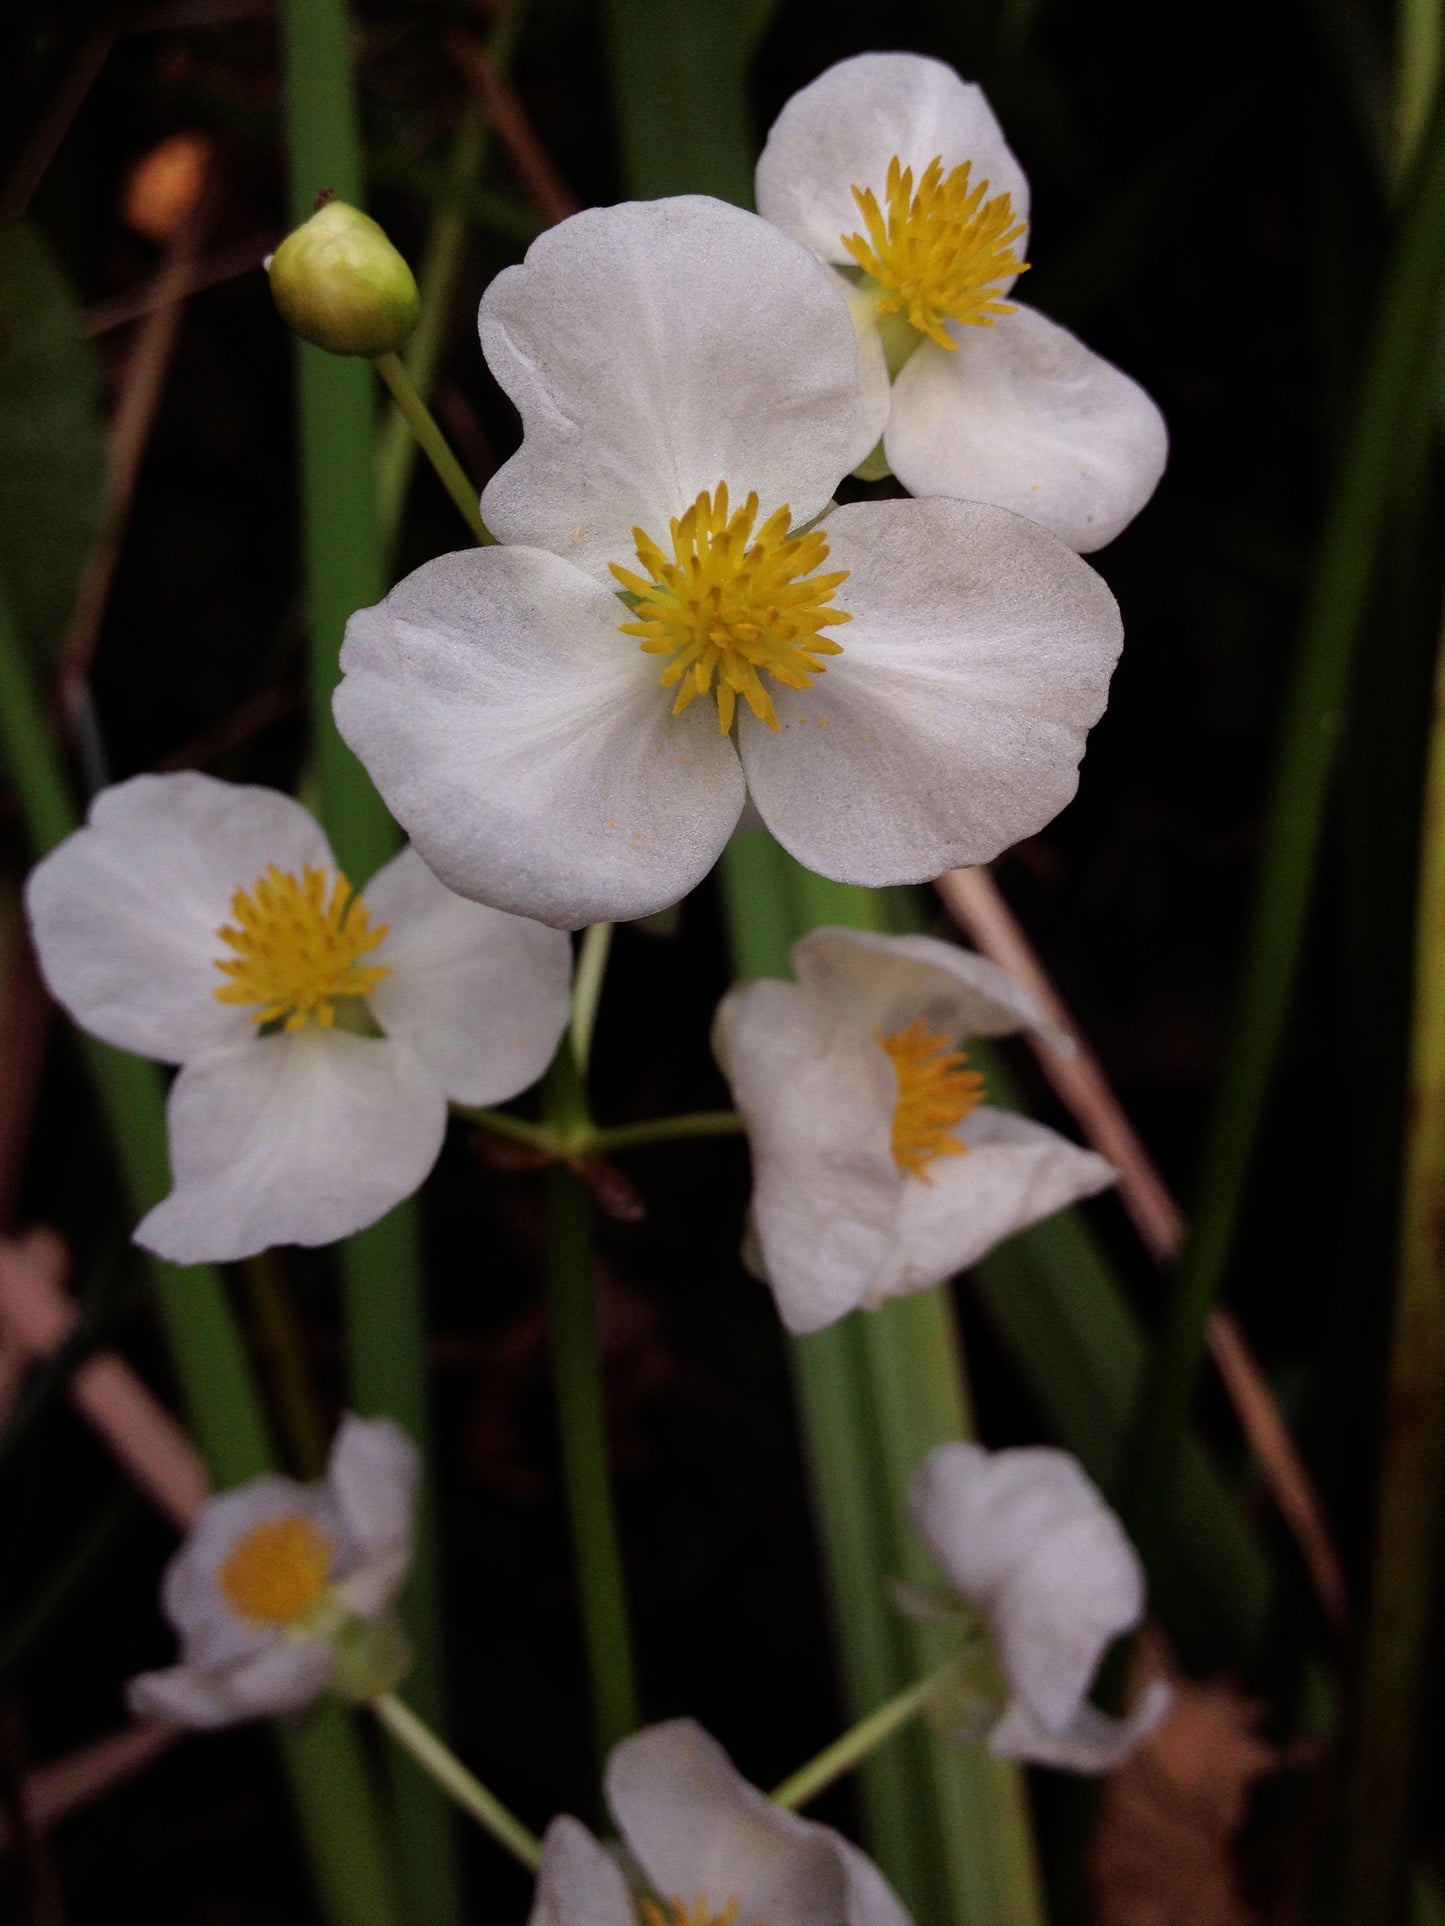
(936, 1091)
(677, 1912)
(731, 605)
(938, 254)
(298, 950)
(277, 1572)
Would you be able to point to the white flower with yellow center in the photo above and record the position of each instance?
(892, 169)
(878, 1168)
(712, 1849)
(279, 1585)
(320, 1033)
(1027, 1540)
(676, 617)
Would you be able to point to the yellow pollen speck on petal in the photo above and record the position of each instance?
(298, 948)
(936, 1091)
(938, 253)
(277, 1572)
(730, 607)
(677, 1912)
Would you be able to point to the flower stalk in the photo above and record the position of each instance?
(433, 443)
(804, 1785)
(453, 1777)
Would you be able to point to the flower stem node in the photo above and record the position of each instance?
(341, 285)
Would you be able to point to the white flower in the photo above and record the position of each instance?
(274, 1576)
(878, 1169)
(687, 380)
(205, 924)
(1026, 1539)
(713, 1850)
(893, 169)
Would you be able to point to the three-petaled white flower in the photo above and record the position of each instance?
(206, 924)
(280, 1588)
(878, 1169)
(894, 170)
(567, 725)
(1027, 1540)
(713, 1849)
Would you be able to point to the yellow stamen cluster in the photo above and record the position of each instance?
(278, 1571)
(936, 1091)
(938, 253)
(298, 950)
(677, 1912)
(729, 604)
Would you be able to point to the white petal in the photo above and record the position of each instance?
(889, 982)
(126, 912)
(373, 1474)
(842, 130)
(1092, 1742)
(284, 1678)
(211, 1634)
(657, 349)
(1025, 416)
(578, 1881)
(875, 389)
(482, 997)
(292, 1140)
(1014, 1173)
(697, 1826)
(1026, 1537)
(527, 747)
(952, 724)
(816, 1097)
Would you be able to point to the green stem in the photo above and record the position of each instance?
(540, 1137)
(433, 443)
(463, 1786)
(1401, 342)
(587, 990)
(1405, 1563)
(855, 1745)
(582, 1424)
(662, 1130)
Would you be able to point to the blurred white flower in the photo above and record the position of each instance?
(713, 1850)
(878, 1168)
(567, 724)
(1027, 1540)
(278, 1585)
(895, 171)
(206, 924)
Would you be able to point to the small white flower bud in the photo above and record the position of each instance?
(340, 284)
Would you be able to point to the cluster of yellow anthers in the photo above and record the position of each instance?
(941, 251)
(298, 950)
(677, 1912)
(936, 1091)
(728, 605)
(278, 1571)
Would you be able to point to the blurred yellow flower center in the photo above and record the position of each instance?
(937, 253)
(277, 1572)
(936, 1091)
(730, 605)
(677, 1912)
(298, 949)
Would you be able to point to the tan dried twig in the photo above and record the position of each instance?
(972, 898)
(535, 169)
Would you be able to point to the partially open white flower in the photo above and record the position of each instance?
(713, 1850)
(567, 724)
(206, 924)
(276, 1579)
(894, 170)
(1026, 1539)
(878, 1168)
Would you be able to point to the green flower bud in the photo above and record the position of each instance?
(340, 284)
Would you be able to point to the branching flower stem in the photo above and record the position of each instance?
(453, 1777)
(855, 1745)
(583, 1139)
